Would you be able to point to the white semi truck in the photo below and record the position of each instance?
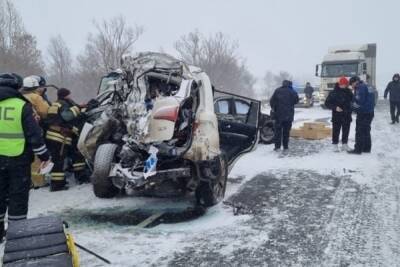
(346, 61)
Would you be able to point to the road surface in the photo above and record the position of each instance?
(309, 207)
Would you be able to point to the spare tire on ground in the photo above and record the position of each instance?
(39, 242)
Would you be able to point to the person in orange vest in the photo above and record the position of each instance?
(33, 92)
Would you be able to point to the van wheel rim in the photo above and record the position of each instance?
(267, 133)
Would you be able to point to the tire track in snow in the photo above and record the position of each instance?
(364, 226)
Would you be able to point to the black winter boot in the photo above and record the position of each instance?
(354, 152)
(2, 232)
(58, 186)
(82, 177)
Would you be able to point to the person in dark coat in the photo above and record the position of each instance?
(282, 103)
(63, 117)
(20, 138)
(308, 91)
(393, 89)
(340, 101)
(363, 105)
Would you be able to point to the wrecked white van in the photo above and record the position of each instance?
(155, 132)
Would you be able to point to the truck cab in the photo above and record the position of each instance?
(348, 61)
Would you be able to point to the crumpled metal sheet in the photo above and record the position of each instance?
(136, 116)
(149, 60)
(102, 127)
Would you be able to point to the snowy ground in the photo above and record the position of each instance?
(310, 207)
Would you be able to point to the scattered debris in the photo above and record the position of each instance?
(312, 131)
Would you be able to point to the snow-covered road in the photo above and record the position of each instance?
(311, 207)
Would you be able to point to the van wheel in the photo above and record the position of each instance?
(102, 184)
(267, 134)
(210, 193)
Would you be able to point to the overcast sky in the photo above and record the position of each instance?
(275, 35)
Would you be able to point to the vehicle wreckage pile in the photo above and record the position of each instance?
(153, 131)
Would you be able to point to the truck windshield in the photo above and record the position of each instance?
(337, 70)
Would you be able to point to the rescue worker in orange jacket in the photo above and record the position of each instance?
(33, 92)
(61, 117)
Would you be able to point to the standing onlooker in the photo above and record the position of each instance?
(339, 101)
(364, 104)
(309, 91)
(393, 88)
(282, 103)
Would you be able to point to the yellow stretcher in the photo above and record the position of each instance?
(72, 250)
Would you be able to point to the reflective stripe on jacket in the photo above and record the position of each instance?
(63, 113)
(12, 139)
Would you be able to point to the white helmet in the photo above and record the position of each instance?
(31, 82)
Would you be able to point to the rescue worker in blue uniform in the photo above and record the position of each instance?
(20, 138)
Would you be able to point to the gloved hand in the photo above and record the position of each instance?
(93, 103)
(46, 167)
(44, 164)
(82, 116)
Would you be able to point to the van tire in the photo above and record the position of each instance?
(211, 192)
(102, 184)
(267, 134)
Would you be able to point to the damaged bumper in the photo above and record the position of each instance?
(131, 181)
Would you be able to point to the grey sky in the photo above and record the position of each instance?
(290, 35)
